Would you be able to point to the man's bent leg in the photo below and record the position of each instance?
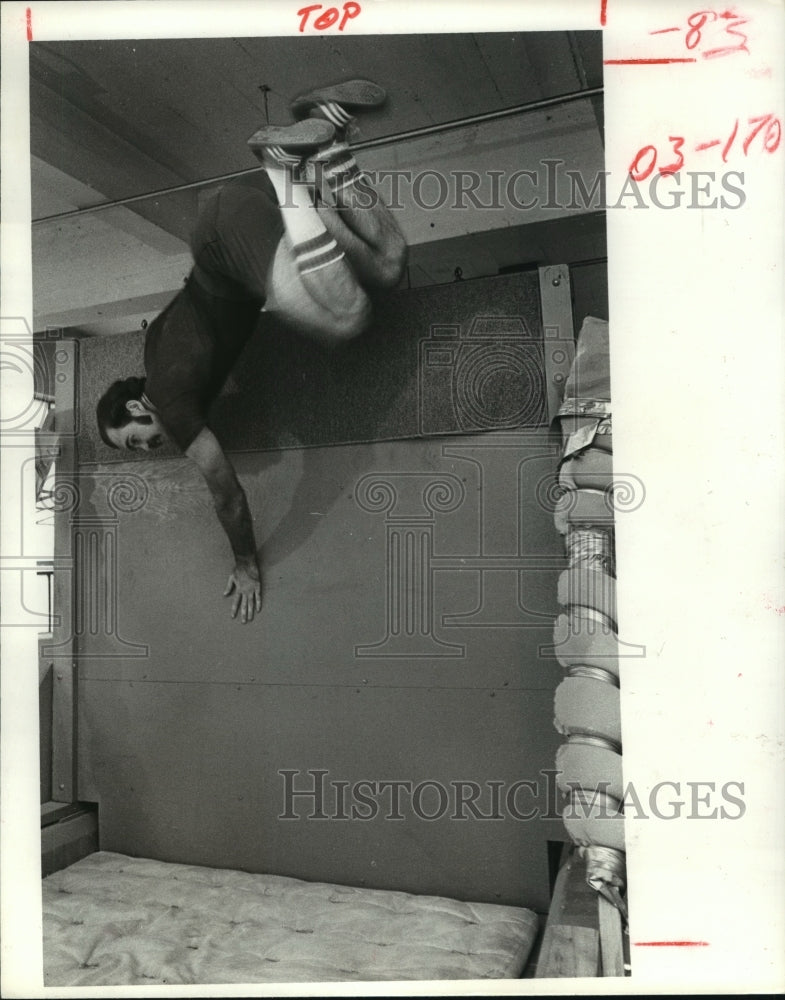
(289, 296)
(365, 229)
(311, 283)
(360, 222)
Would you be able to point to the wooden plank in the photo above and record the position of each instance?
(62, 649)
(54, 812)
(568, 952)
(63, 734)
(45, 684)
(611, 944)
(64, 843)
(44, 662)
(558, 331)
(570, 945)
(71, 828)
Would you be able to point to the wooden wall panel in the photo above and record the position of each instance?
(491, 572)
(410, 585)
(186, 716)
(190, 773)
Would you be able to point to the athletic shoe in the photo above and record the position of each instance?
(331, 101)
(302, 136)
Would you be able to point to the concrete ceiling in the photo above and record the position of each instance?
(114, 119)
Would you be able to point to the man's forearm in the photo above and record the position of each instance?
(235, 518)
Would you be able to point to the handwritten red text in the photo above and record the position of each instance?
(762, 131)
(329, 16)
(706, 28)
(707, 34)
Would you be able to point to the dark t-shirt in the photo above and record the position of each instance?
(189, 351)
(192, 346)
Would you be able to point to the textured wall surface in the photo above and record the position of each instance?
(446, 359)
(409, 590)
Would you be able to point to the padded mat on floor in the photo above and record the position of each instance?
(111, 919)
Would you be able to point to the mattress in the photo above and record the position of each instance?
(110, 919)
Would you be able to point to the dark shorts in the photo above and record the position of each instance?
(235, 238)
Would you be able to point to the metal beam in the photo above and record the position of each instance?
(385, 140)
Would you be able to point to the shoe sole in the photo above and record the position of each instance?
(349, 94)
(301, 135)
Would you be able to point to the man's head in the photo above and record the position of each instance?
(126, 421)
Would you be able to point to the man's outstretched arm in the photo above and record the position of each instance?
(231, 507)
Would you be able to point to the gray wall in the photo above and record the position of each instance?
(371, 475)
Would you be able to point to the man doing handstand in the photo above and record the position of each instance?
(302, 238)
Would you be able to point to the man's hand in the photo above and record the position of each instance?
(231, 507)
(246, 587)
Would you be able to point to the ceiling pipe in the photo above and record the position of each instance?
(385, 140)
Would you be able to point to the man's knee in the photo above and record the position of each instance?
(392, 263)
(349, 319)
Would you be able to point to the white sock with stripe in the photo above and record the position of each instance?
(319, 252)
(314, 248)
(335, 168)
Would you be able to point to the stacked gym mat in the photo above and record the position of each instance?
(585, 636)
